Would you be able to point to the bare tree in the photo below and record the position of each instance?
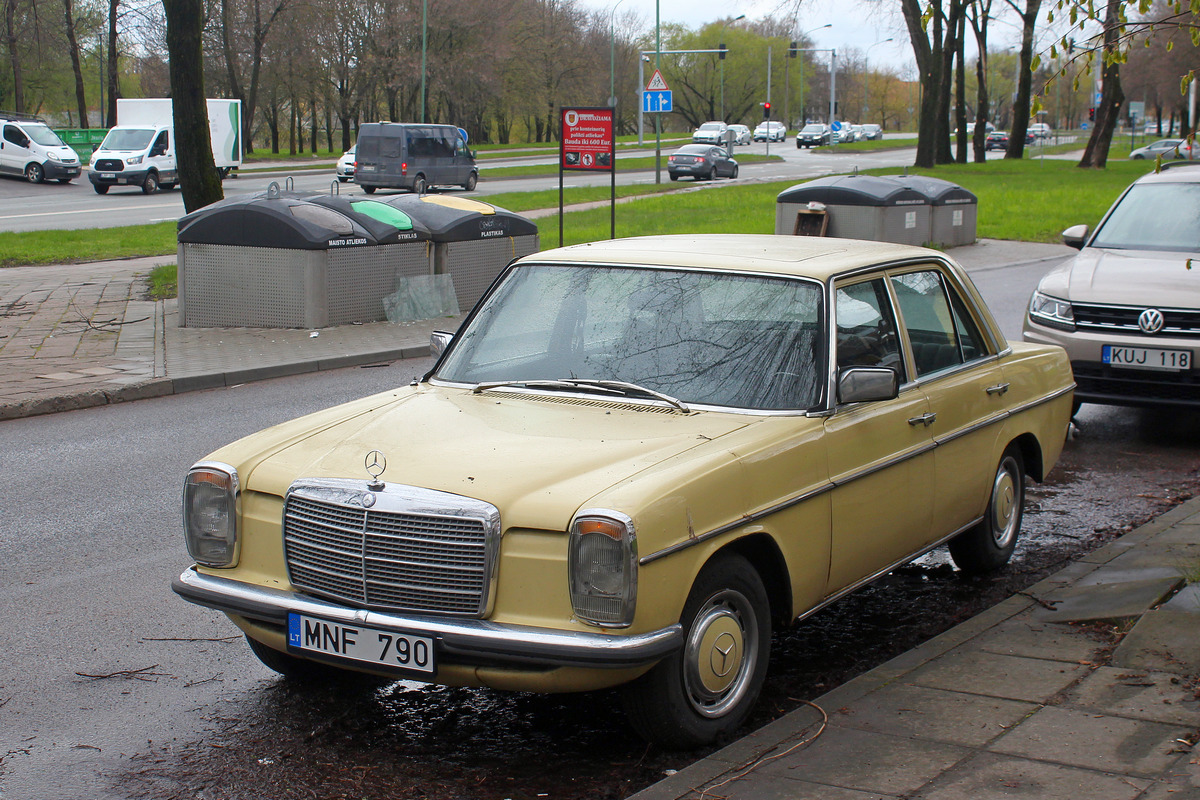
(1111, 94)
(979, 13)
(198, 176)
(73, 47)
(11, 39)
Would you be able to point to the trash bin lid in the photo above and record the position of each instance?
(940, 192)
(386, 223)
(282, 222)
(458, 219)
(853, 190)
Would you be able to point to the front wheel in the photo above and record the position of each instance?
(34, 173)
(303, 670)
(150, 185)
(990, 544)
(472, 180)
(735, 172)
(707, 688)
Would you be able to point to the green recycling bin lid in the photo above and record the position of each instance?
(384, 213)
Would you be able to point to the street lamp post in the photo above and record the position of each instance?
(866, 75)
(721, 59)
(612, 56)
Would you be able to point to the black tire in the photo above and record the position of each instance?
(150, 185)
(1139, 157)
(419, 185)
(369, 189)
(685, 701)
(342, 180)
(735, 172)
(672, 176)
(301, 669)
(34, 173)
(990, 544)
(472, 181)
(101, 188)
(64, 180)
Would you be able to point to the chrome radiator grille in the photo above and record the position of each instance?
(399, 549)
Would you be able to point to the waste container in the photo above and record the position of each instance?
(953, 210)
(858, 207)
(472, 241)
(283, 260)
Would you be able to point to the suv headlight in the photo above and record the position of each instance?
(210, 506)
(1051, 312)
(133, 160)
(602, 571)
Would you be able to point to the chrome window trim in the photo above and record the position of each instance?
(455, 636)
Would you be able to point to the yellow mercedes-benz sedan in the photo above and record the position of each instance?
(631, 461)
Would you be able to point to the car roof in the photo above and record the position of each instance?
(1173, 172)
(696, 148)
(816, 257)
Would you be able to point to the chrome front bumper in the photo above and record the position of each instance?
(461, 638)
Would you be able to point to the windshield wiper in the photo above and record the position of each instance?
(631, 388)
(587, 384)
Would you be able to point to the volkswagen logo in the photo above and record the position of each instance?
(1150, 320)
(376, 464)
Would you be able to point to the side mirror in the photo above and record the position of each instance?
(1075, 236)
(438, 342)
(867, 384)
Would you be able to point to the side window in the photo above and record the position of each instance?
(942, 336)
(12, 134)
(866, 328)
(160, 144)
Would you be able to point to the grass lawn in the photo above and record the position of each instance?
(1028, 200)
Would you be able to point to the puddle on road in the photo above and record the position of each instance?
(408, 740)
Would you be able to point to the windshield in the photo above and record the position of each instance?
(43, 136)
(711, 126)
(1154, 216)
(127, 139)
(717, 339)
(813, 128)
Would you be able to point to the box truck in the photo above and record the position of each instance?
(140, 150)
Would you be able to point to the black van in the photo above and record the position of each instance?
(402, 155)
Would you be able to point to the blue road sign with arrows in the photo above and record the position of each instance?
(659, 102)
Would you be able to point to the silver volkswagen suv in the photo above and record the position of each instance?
(1127, 308)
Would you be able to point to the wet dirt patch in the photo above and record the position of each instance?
(409, 742)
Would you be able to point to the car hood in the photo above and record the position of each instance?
(1125, 277)
(537, 457)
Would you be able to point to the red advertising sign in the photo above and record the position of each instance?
(587, 139)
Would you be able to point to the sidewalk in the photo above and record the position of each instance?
(78, 336)
(1044, 696)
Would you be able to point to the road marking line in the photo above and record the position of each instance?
(80, 211)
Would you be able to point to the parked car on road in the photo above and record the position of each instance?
(770, 131)
(741, 134)
(633, 461)
(1168, 148)
(814, 134)
(710, 133)
(345, 166)
(1127, 308)
(702, 162)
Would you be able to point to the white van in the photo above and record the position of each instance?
(29, 148)
(140, 150)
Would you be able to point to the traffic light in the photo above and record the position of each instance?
(766, 110)
(1092, 113)
(792, 50)
(721, 55)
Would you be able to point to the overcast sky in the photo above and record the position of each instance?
(856, 24)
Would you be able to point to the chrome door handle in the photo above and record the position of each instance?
(999, 388)
(925, 419)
